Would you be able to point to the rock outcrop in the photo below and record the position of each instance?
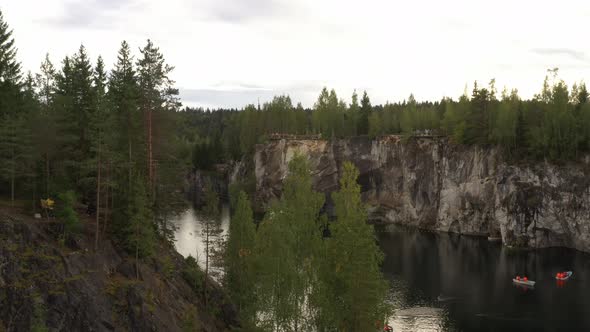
(433, 184)
(46, 285)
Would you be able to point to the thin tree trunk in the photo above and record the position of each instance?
(99, 166)
(206, 259)
(137, 251)
(34, 194)
(137, 261)
(12, 189)
(47, 174)
(129, 165)
(150, 156)
(12, 173)
(106, 209)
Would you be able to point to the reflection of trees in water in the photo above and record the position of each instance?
(189, 239)
(423, 265)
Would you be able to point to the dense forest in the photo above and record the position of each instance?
(554, 125)
(80, 134)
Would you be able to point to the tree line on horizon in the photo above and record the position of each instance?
(553, 125)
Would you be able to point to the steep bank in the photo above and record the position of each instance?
(433, 184)
(48, 286)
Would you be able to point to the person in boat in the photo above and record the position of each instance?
(387, 328)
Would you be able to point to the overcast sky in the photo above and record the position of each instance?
(232, 52)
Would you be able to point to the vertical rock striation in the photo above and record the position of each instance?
(432, 184)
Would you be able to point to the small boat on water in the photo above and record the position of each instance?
(523, 281)
(563, 275)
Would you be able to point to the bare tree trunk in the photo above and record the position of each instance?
(129, 165)
(34, 194)
(206, 259)
(99, 166)
(137, 261)
(137, 252)
(47, 174)
(12, 176)
(150, 151)
(106, 209)
(12, 188)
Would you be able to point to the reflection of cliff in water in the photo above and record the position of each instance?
(422, 266)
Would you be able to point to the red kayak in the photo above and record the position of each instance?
(563, 275)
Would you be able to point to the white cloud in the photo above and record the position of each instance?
(249, 50)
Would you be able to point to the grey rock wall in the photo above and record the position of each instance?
(432, 184)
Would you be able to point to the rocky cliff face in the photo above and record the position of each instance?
(432, 184)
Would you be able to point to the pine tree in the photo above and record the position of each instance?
(99, 125)
(365, 111)
(44, 124)
(13, 126)
(353, 115)
(10, 68)
(155, 92)
(66, 169)
(84, 107)
(126, 136)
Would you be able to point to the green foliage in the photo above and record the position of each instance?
(246, 185)
(193, 274)
(211, 229)
(168, 267)
(352, 291)
(365, 111)
(330, 115)
(240, 275)
(39, 316)
(206, 155)
(211, 208)
(10, 68)
(287, 245)
(140, 231)
(66, 213)
(190, 321)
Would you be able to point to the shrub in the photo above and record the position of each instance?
(66, 212)
(192, 274)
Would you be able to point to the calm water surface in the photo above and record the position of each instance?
(189, 235)
(472, 277)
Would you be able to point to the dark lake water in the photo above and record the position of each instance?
(474, 277)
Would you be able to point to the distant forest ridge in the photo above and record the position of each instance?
(553, 125)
